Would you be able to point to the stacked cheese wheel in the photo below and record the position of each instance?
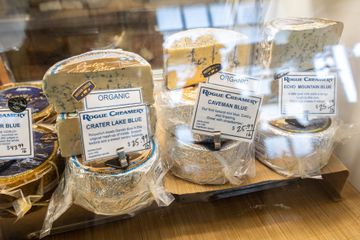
(95, 186)
(294, 150)
(24, 182)
(107, 69)
(192, 155)
(108, 191)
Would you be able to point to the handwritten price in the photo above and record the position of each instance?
(144, 140)
(323, 107)
(16, 147)
(247, 128)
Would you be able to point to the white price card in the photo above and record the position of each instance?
(113, 98)
(306, 93)
(232, 80)
(225, 110)
(16, 134)
(104, 131)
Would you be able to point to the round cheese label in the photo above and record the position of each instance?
(36, 100)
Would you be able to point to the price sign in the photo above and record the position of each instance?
(307, 93)
(104, 131)
(16, 135)
(225, 110)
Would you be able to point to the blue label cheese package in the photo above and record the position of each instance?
(109, 191)
(106, 69)
(24, 182)
(294, 150)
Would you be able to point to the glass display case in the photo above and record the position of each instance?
(114, 110)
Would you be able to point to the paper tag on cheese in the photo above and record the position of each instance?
(113, 98)
(225, 110)
(16, 135)
(242, 82)
(104, 131)
(306, 93)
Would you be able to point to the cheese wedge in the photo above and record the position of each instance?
(188, 53)
(292, 43)
(107, 69)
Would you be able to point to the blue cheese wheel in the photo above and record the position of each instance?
(107, 69)
(34, 176)
(110, 191)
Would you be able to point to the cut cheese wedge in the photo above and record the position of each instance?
(107, 69)
(188, 53)
(293, 43)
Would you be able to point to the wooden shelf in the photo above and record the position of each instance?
(334, 177)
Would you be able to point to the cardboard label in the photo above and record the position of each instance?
(225, 110)
(113, 98)
(16, 134)
(104, 131)
(307, 94)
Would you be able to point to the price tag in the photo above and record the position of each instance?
(16, 135)
(113, 98)
(225, 110)
(242, 82)
(307, 93)
(104, 131)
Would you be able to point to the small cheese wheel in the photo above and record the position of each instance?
(201, 164)
(295, 151)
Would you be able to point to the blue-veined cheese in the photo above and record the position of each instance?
(293, 43)
(188, 53)
(69, 134)
(107, 69)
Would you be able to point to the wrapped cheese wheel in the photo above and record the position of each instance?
(295, 150)
(201, 163)
(24, 182)
(109, 191)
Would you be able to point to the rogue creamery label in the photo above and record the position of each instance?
(225, 110)
(16, 135)
(307, 93)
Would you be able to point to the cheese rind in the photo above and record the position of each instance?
(69, 134)
(293, 43)
(107, 69)
(188, 53)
